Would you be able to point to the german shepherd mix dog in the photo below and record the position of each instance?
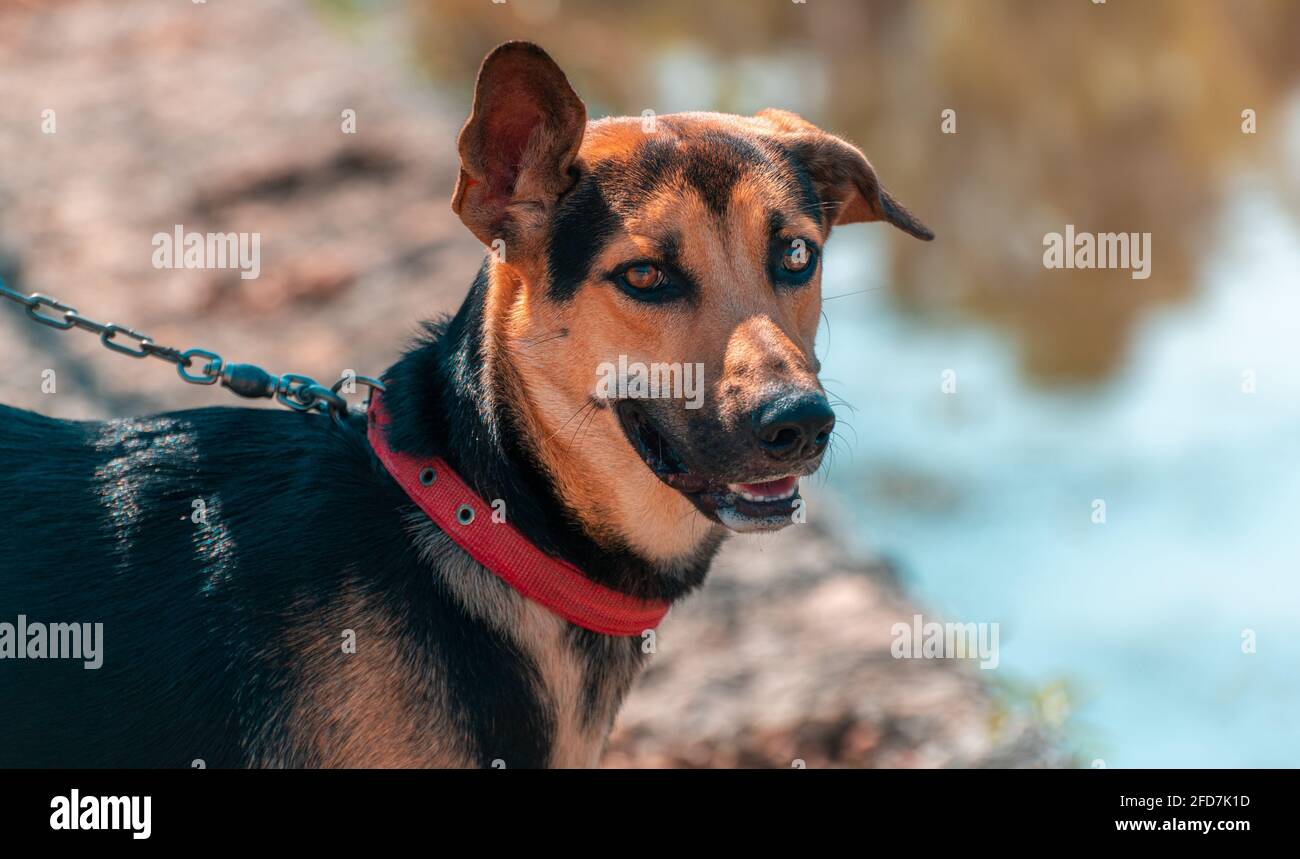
(695, 239)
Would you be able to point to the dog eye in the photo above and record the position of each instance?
(793, 261)
(796, 256)
(643, 277)
(647, 282)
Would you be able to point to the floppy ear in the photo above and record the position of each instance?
(519, 142)
(842, 175)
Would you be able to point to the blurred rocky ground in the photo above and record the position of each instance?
(227, 117)
(784, 656)
(222, 118)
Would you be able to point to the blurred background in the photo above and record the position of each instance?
(1175, 399)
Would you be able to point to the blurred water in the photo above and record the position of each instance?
(985, 497)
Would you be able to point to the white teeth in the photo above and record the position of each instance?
(750, 496)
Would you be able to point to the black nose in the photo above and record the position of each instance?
(794, 426)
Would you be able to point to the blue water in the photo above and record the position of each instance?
(984, 497)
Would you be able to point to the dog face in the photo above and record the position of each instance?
(654, 297)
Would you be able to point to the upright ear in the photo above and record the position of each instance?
(841, 174)
(518, 144)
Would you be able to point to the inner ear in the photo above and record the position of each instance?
(841, 174)
(520, 141)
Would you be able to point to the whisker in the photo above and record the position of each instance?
(585, 405)
(836, 437)
(826, 298)
(528, 344)
(835, 398)
(836, 401)
(818, 208)
(588, 423)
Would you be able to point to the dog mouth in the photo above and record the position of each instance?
(741, 502)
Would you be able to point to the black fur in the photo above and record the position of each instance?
(96, 527)
(583, 225)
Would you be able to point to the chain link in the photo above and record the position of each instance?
(300, 393)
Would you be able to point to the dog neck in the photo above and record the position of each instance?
(453, 396)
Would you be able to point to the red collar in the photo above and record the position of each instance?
(462, 515)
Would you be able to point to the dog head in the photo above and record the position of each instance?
(654, 293)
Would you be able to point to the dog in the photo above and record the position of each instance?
(318, 614)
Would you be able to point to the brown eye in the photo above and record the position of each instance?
(796, 257)
(643, 277)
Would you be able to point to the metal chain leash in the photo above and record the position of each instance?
(300, 393)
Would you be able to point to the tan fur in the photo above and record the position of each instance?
(364, 709)
(544, 636)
